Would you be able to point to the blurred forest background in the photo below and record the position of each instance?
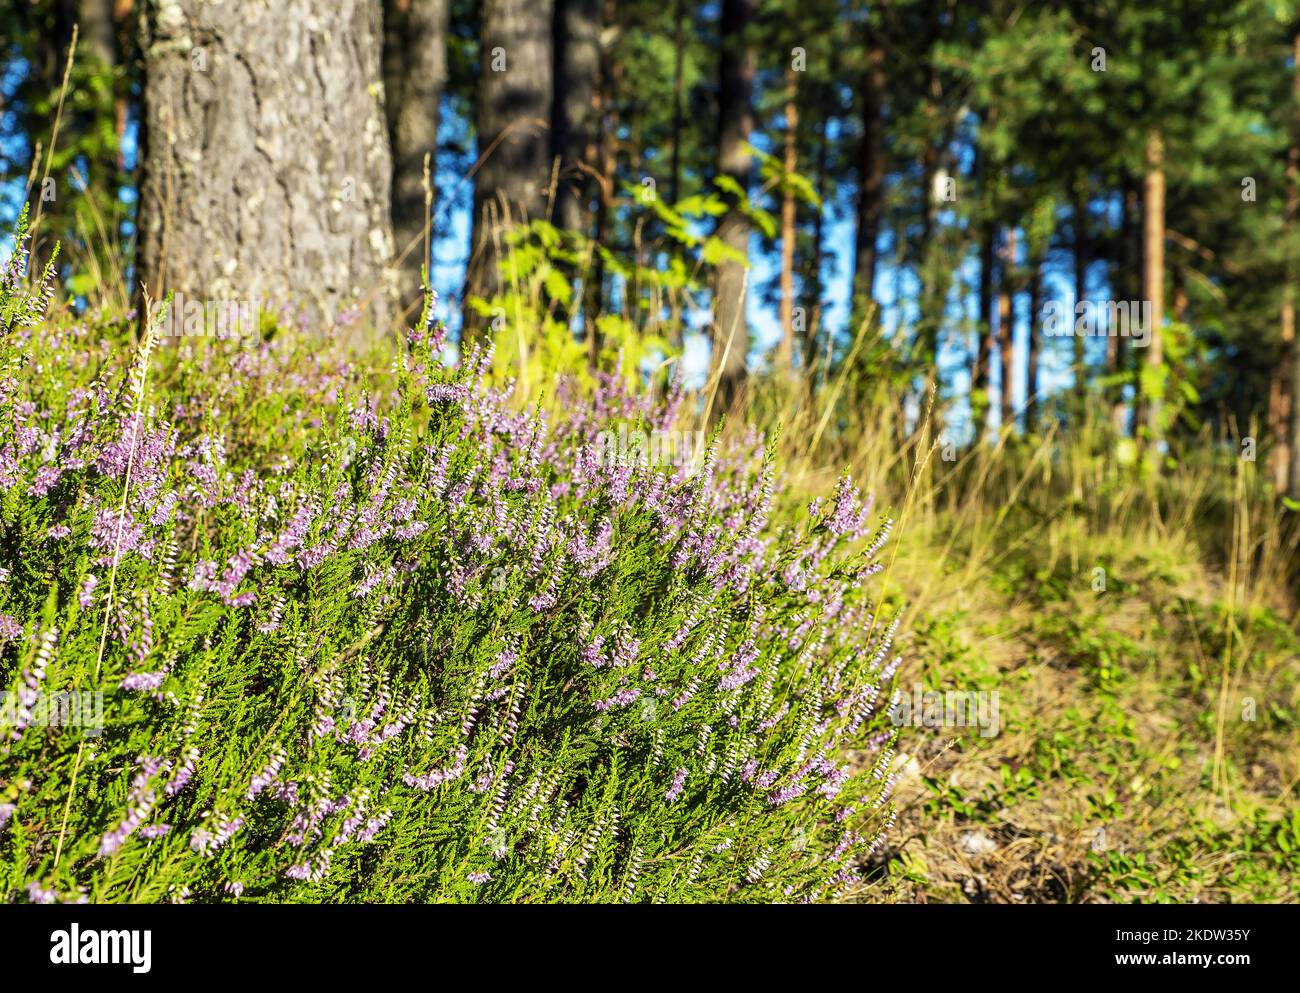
(791, 172)
(819, 212)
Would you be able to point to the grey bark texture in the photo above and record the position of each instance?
(415, 74)
(513, 119)
(735, 123)
(266, 165)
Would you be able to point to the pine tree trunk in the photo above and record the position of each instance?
(1006, 324)
(1128, 285)
(1291, 348)
(415, 74)
(735, 122)
(812, 279)
(1153, 272)
(785, 359)
(573, 130)
(513, 117)
(984, 344)
(611, 77)
(679, 86)
(1031, 343)
(266, 175)
(97, 30)
(871, 172)
(1082, 248)
(98, 43)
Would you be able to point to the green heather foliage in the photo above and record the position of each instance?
(399, 638)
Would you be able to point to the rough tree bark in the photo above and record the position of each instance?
(512, 118)
(415, 74)
(266, 176)
(736, 68)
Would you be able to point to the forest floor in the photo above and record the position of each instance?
(1137, 759)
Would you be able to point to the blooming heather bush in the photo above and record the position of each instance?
(413, 644)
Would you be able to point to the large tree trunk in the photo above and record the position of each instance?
(415, 73)
(735, 122)
(266, 176)
(573, 128)
(1153, 270)
(513, 117)
(871, 171)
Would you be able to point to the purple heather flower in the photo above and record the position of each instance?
(679, 782)
(620, 699)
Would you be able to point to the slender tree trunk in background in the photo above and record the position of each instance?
(736, 67)
(267, 168)
(611, 77)
(1127, 284)
(45, 76)
(1153, 272)
(812, 279)
(1178, 295)
(1031, 342)
(679, 79)
(984, 331)
(785, 359)
(871, 172)
(512, 118)
(574, 124)
(122, 11)
(415, 74)
(935, 273)
(1081, 262)
(1280, 394)
(98, 31)
(1291, 347)
(98, 34)
(928, 325)
(1006, 324)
